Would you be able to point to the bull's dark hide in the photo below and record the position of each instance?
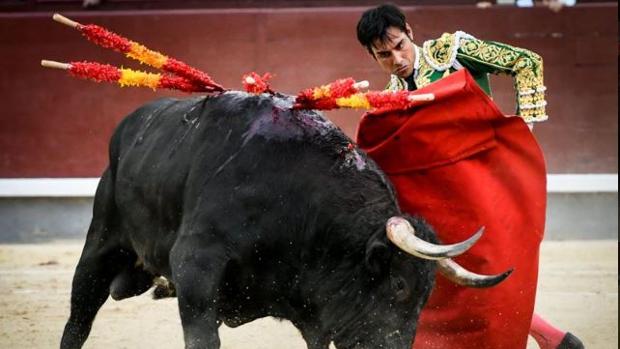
(251, 209)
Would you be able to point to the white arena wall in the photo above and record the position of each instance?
(580, 206)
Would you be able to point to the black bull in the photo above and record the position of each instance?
(250, 209)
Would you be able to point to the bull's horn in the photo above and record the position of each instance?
(402, 234)
(461, 276)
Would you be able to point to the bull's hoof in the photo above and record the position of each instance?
(163, 289)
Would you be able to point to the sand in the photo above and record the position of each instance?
(578, 291)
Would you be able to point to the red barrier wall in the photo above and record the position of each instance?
(56, 126)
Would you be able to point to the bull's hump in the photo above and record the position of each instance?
(272, 117)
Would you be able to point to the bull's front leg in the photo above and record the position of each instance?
(197, 269)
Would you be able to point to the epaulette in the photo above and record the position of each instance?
(440, 53)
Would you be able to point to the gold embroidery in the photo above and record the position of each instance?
(524, 65)
(440, 52)
(495, 55)
(395, 84)
(424, 73)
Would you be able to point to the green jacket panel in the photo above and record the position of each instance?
(451, 52)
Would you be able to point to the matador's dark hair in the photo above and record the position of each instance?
(374, 23)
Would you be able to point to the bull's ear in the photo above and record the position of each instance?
(377, 256)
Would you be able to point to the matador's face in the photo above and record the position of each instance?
(396, 54)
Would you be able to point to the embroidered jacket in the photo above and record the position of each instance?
(451, 52)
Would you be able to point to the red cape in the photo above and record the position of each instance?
(461, 164)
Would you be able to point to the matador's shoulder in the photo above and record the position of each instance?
(441, 53)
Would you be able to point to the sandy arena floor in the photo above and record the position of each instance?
(578, 291)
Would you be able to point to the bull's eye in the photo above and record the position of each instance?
(400, 288)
